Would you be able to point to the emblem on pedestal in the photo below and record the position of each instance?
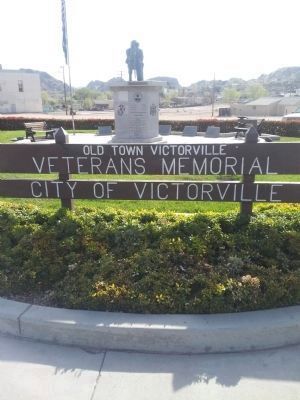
(121, 110)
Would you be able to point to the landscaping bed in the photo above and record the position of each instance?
(150, 262)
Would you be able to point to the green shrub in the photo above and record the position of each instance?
(282, 128)
(151, 262)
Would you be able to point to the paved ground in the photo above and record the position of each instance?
(165, 114)
(183, 113)
(34, 371)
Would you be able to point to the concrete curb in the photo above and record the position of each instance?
(153, 333)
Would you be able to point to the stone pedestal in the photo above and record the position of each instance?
(136, 106)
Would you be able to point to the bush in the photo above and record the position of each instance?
(281, 128)
(149, 262)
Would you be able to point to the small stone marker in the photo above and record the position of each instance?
(251, 135)
(212, 132)
(165, 130)
(190, 130)
(104, 130)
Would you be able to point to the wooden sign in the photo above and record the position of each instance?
(161, 159)
(153, 190)
(244, 159)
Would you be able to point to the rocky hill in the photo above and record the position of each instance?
(171, 83)
(103, 86)
(281, 80)
(282, 75)
(48, 83)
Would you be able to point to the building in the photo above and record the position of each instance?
(20, 92)
(266, 107)
(288, 105)
(101, 105)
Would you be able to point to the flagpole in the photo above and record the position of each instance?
(66, 53)
(213, 96)
(65, 90)
(71, 101)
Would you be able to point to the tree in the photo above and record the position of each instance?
(86, 97)
(230, 95)
(255, 91)
(48, 101)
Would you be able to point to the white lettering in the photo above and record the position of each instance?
(98, 190)
(79, 165)
(177, 184)
(140, 166)
(273, 193)
(86, 150)
(72, 187)
(50, 166)
(202, 170)
(68, 162)
(57, 183)
(109, 188)
(95, 165)
(168, 169)
(181, 165)
(165, 186)
(140, 193)
(33, 192)
(268, 172)
(192, 187)
(206, 191)
(223, 194)
(256, 193)
(215, 162)
(242, 194)
(255, 165)
(89, 150)
(39, 167)
(230, 163)
(111, 165)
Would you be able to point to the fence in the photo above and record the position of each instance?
(240, 159)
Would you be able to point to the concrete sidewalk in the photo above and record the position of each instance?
(33, 371)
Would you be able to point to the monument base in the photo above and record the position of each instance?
(136, 106)
(157, 139)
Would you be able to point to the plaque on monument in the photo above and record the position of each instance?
(136, 106)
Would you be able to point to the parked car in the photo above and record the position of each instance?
(292, 116)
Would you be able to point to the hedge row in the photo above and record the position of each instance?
(17, 123)
(149, 262)
(282, 128)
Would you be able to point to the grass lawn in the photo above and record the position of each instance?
(176, 206)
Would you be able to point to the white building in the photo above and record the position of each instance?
(20, 92)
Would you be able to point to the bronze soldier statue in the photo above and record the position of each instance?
(134, 60)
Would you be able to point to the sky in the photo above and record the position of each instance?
(190, 40)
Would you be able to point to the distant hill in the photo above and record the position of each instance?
(282, 80)
(103, 86)
(172, 83)
(48, 82)
(283, 75)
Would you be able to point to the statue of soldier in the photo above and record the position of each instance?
(134, 60)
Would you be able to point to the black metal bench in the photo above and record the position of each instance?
(31, 128)
(244, 124)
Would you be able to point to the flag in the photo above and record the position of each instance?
(64, 31)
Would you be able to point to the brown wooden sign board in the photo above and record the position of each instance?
(155, 190)
(161, 159)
